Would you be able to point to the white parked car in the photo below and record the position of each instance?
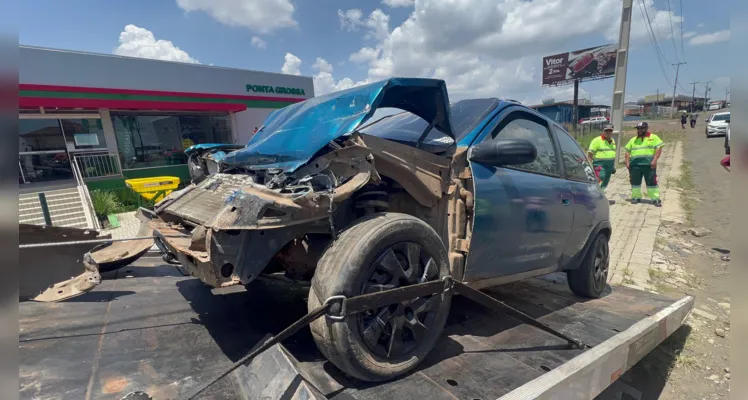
(595, 120)
(713, 107)
(717, 124)
(727, 141)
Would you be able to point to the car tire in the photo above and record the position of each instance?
(589, 280)
(380, 252)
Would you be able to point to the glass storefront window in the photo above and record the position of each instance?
(40, 135)
(84, 134)
(159, 140)
(44, 167)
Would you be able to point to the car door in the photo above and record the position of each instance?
(523, 214)
(590, 205)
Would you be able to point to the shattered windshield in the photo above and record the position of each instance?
(407, 127)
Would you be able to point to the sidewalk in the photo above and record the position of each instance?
(635, 226)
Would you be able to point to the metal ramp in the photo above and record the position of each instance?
(148, 328)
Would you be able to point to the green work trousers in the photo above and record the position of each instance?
(607, 168)
(636, 173)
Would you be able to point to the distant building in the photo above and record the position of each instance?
(682, 102)
(563, 111)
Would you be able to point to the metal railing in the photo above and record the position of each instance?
(98, 165)
(85, 196)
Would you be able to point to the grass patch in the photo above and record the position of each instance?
(687, 362)
(688, 190)
(658, 279)
(628, 277)
(661, 242)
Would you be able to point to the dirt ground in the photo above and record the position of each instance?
(694, 362)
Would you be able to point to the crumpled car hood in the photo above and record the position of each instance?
(291, 136)
(218, 150)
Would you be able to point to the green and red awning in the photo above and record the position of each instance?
(49, 96)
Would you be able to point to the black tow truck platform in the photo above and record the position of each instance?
(148, 328)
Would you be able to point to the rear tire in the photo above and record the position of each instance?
(377, 253)
(589, 280)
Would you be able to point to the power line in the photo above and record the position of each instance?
(653, 40)
(672, 34)
(657, 35)
(656, 40)
(682, 48)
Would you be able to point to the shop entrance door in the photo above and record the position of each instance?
(42, 153)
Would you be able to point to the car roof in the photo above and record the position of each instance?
(721, 113)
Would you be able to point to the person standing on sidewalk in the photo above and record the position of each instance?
(602, 153)
(642, 153)
(694, 118)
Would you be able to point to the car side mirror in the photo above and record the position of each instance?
(503, 152)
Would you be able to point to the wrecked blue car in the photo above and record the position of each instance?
(345, 193)
(204, 159)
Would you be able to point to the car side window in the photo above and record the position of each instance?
(524, 126)
(576, 165)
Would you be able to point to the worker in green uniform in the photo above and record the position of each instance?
(602, 153)
(642, 153)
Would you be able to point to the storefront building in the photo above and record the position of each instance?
(117, 117)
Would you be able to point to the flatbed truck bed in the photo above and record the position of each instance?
(149, 328)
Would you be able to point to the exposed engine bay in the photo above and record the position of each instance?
(241, 222)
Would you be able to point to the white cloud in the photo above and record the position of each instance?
(691, 34)
(259, 43)
(135, 41)
(365, 55)
(377, 23)
(325, 83)
(291, 65)
(492, 47)
(258, 15)
(398, 3)
(710, 38)
(350, 20)
(700, 25)
(322, 65)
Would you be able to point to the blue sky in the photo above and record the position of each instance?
(480, 47)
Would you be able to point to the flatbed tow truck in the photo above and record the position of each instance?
(148, 329)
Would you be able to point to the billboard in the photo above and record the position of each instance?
(651, 98)
(588, 64)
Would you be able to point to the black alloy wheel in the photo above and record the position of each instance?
(394, 331)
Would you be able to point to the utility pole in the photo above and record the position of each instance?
(693, 95)
(706, 94)
(655, 104)
(675, 85)
(575, 108)
(727, 92)
(619, 82)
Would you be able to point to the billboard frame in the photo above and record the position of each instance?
(555, 64)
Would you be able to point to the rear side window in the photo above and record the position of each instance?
(576, 165)
(520, 127)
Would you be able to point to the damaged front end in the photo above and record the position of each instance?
(307, 174)
(238, 222)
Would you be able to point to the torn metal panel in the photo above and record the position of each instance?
(55, 273)
(460, 212)
(119, 254)
(422, 174)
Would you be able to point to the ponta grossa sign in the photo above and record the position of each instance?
(275, 90)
